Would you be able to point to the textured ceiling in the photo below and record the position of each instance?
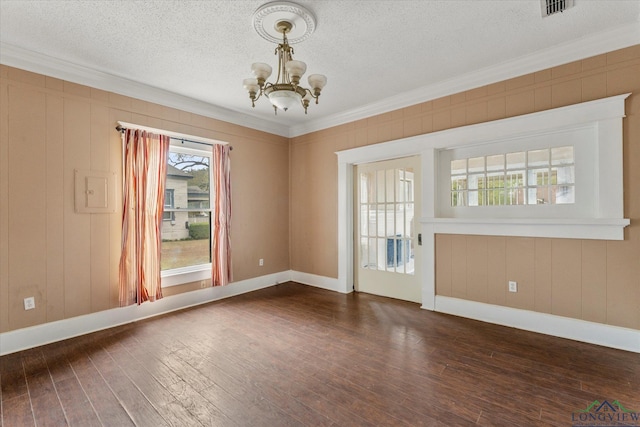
(371, 51)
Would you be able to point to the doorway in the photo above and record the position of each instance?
(387, 226)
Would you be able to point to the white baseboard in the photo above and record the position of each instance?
(323, 282)
(22, 339)
(549, 324)
(564, 327)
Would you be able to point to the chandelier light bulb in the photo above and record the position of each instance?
(261, 70)
(295, 69)
(317, 81)
(251, 85)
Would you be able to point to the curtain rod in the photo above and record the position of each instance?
(122, 129)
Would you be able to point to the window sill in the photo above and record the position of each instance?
(576, 228)
(180, 276)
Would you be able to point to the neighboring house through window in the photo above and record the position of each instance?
(186, 229)
(169, 204)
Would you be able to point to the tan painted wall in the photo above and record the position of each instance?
(592, 280)
(69, 261)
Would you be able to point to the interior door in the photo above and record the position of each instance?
(387, 207)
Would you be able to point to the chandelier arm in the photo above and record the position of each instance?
(315, 94)
(258, 95)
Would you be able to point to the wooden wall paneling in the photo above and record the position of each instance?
(496, 108)
(145, 120)
(623, 79)
(441, 120)
(4, 199)
(250, 245)
(477, 268)
(594, 280)
(622, 55)
(521, 269)
(412, 126)
(542, 272)
(427, 123)
(517, 83)
(443, 264)
(520, 103)
(458, 116)
(27, 205)
(566, 275)
(594, 87)
(77, 227)
(599, 61)
(100, 234)
(477, 113)
(298, 153)
(459, 263)
(115, 221)
(497, 269)
(566, 93)
(542, 98)
(623, 281)
(55, 208)
(76, 90)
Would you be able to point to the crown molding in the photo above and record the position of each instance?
(18, 57)
(585, 47)
(594, 44)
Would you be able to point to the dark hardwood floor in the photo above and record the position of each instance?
(295, 355)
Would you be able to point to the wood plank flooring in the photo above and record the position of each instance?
(293, 355)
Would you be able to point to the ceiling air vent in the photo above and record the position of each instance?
(549, 7)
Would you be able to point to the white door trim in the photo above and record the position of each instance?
(346, 161)
(606, 113)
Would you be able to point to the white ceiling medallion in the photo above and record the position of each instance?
(267, 17)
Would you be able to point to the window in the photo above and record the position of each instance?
(386, 217)
(169, 204)
(186, 231)
(541, 176)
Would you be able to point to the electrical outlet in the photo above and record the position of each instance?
(261, 262)
(513, 286)
(29, 303)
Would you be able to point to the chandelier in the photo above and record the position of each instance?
(284, 18)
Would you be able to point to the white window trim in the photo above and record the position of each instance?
(607, 222)
(183, 275)
(581, 139)
(192, 273)
(180, 276)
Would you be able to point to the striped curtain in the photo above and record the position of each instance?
(145, 171)
(221, 217)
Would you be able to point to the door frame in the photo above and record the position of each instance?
(347, 159)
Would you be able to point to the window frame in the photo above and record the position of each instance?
(172, 216)
(582, 138)
(199, 272)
